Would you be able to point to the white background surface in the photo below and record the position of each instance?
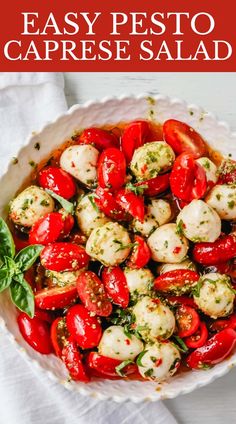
(216, 403)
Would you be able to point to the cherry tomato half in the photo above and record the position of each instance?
(199, 338)
(58, 181)
(135, 135)
(183, 138)
(181, 300)
(131, 203)
(111, 169)
(187, 320)
(64, 257)
(228, 172)
(221, 324)
(140, 255)
(36, 333)
(59, 335)
(84, 329)
(100, 138)
(55, 297)
(47, 229)
(68, 221)
(116, 285)
(176, 281)
(216, 349)
(92, 293)
(73, 361)
(107, 366)
(156, 185)
(221, 250)
(107, 203)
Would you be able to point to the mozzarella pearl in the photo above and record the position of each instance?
(109, 244)
(199, 222)
(158, 212)
(210, 169)
(167, 245)
(187, 264)
(222, 198)
(160, 361)
(216, 297)
(115, 344)
(154, 321)
(151, 159)
(30, 205)
(88, 216)
(139, 281)
(80, 161)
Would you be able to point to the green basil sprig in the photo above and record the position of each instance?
(13, 268)
(68, 206)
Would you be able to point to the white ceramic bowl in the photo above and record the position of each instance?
(108, 111)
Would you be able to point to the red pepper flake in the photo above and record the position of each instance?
(176, 250)
(158, 362)
(127, 341)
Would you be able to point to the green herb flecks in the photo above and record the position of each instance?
(137, 189)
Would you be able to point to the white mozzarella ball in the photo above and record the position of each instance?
(160, 361)
(167, 245)
(154, 321)
(151, 159)
(139, 281)
(80, 161)
(109, 244)
(216, 297)
(158, 212)
(88, 215)
(187, 264)
(115, 344)
(30, 205)
(210, 169)
(199, 222)
(222, 198)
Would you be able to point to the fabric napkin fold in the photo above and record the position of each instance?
(27, 102)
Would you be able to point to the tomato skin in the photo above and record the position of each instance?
(181, 300)
(101, 139)
(221, 250)
(140, 255)
(68, 221)
(216, 349)
(64, 257)
(222, 268)
(47, 229)
(59, 335)
(20, 243)
(135, 135)
(58, 181)
(56, 297)
(155, 185)
(187, 320)
(116, 286)
(43, 315)
(198, 339)
(92, 293)
(183, 138)
(221, 324)
(107, 366)
(131, 203)
(228, 173)
(83, 328)
(77, 238)
(107, 203)
(175, 280)
(111, 169)
(73, 361)
(36, 333)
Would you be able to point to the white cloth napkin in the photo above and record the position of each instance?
(27, 101)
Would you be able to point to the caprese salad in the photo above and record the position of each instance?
(120, 253)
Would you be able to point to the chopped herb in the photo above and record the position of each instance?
(44, 202)
(166, 244)
(94, 205)
(68, 206)
(180, 344)
(124, 246)
(119, 369)
(173, 366)
(149, 372)
(14, 160)
(32, 163)
(137, 189)
(180, 227)
(191, 113)
(231, 204)
(37, 146)
(139, 358)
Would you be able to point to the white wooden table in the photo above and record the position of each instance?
(214, 404)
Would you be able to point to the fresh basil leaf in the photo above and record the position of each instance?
(5, 279)
(7, 246)
(139, 358)
(22, 295)
(180, 344)
(120, 367)
(27, 256)
(68, 206)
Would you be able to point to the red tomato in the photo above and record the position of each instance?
(187, 320)
(36, 333)
(221, 324)
(59, 335)
(73, 361)
(135, 135)
(68, 221)
(92, 293)
(228, 172)
(188, 179)
(181, 300)
(64, 257)
(58, 181)
(101, 139)
(107, 203)
(131, 203)
(216, 349)
(47, 229)
(221, 250)
(44, 316)
(176, 280)
(20, 241)
(107, 366)
(155, 185)
(55, 297)
(183, 138)
(222, 268)
(84, 329)
(116, 285)
(199, 338)
(140, 255)
(77, 238)
(111, 169)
